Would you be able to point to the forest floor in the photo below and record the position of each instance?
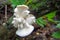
(38, 33)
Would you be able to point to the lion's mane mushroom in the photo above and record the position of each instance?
(23, 21)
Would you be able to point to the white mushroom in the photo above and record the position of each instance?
(23, 21)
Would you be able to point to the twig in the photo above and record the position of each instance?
(6, 12)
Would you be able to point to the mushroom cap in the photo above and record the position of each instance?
(21, 11)
(23, 7)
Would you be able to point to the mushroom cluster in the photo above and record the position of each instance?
(23, 20)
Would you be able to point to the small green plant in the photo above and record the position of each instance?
(41, 22)
(58, 25)
(56, 34)
(36, 4)
(51, 15)
(17, 2)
